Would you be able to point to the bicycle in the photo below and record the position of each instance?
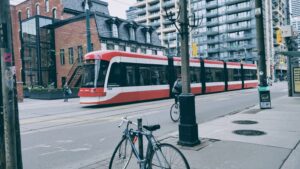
(158, 155)
(175, 110)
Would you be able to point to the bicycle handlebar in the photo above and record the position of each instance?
(124, 119)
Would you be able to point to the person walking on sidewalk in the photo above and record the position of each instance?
(66, 92)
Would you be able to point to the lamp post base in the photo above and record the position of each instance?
(188, 128)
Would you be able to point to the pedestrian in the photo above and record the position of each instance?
(177, 88)
(66, 92)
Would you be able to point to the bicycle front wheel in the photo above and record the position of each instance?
(174, 112)
(121, 155)
(168, 156)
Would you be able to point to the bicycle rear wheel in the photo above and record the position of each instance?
(175, 112)
(121, 155)
(168, 156)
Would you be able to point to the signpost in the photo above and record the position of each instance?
(296, 79)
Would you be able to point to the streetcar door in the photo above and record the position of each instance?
(115, 79)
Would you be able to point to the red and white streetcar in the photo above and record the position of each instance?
(112, 77)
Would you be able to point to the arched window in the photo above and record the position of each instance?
(132, 34)
(20, 16)
(37, 9)
(28, 13)
(115, 33)
(148, 37)
(54, 13)
(47, 5)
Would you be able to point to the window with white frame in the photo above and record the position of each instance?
(47, 5)
(54, 13)
(115, 32)
(148, 37)
(28, 13)
(37, 9)
(132, 34)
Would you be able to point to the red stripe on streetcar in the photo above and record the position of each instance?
(234, 86)
(211, 89)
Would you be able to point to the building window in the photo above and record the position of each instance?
(122, 48)
(143, 50)
(148, 37)
(54, 13)
(62, 56)
(37, 9)
(20, 16)
(154, 52)
(110, 47)
(133, 49)
(80, 54)
(47, 5)
(115, 33)
(92, 47)
(28, 13)
(132, 34)
(71, 56)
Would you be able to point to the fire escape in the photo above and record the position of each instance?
(74, 75)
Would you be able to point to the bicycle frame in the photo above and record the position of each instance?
(152, 146)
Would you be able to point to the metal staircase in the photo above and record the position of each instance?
(75, 74)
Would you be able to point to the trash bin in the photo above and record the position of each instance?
(264, 97)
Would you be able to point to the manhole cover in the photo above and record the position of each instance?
(249, 132)
(245, 122)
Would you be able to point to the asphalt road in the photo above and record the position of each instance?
(59, 135)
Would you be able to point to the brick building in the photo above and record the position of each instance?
(50, 39)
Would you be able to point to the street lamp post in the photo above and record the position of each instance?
(188, 128)
(264, 91)
(88, 28)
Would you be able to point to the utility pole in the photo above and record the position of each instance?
(88, 28)
(188, 128)
(264, 91)
(10, 157)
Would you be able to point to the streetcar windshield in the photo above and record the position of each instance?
(94, 74)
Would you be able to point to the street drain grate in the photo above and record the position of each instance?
(249, 132)
(245, 122)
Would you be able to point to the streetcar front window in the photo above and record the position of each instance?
(94, 74)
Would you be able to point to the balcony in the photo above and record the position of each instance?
(212, 32)
(244, 37)
(155, 23)
(230, 2)
(212, 41)
(212, 4)
(240, 28)
(211, 14)
(237, 9)
(238, 19)
(168, 4)
(154, 8)
(141, 11)
(213, 50)
(212, 23)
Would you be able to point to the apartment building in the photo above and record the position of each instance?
(153, 13)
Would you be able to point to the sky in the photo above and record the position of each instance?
(116, 7)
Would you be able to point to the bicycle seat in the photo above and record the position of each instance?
(152, 127)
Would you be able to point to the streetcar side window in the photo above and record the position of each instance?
(195, 74)
(154, 75)
(130, 75)
(116, 75)
(250, 74)
(214, 74)
(234, 74)
(144, 75)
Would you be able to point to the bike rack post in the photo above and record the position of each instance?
(140, 138)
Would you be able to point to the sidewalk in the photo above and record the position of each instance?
(277, 148)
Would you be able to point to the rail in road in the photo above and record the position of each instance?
(59, 135)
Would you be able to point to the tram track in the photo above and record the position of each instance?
(44, 122)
